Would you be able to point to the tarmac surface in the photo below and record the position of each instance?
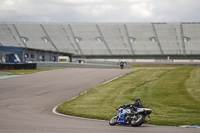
(26, 103)
(4, 73)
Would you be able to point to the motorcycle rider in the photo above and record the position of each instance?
(133, 107)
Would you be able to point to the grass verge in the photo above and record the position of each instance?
(172, 94)
(27, 71)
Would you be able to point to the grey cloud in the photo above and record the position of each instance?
(100, 10)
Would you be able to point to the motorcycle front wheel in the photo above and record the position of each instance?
(138, 120)
(113, 121)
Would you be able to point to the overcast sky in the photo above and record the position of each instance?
(100, 10)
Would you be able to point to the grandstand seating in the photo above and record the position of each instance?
(115, 38)
(61, 37)
(192, 32)
(142, 34)
(168, 39)
(34, 34)
(105, 38)
(7, 37)
(88, 43)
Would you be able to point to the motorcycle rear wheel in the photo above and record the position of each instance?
(135, 122)
(113, 121)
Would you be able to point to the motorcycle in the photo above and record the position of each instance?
(125, 117)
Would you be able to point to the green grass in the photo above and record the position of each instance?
(193, 84)
(27, 71)
(172, 94)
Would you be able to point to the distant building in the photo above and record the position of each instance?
(23, 55)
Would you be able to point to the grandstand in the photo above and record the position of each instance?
(107, 40)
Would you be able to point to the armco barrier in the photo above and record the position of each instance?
(84, 65)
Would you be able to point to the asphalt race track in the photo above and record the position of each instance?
(26, 103)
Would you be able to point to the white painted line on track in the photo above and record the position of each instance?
(57, 113)
(83, 118)
(111, 80)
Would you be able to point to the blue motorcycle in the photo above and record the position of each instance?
(125, 117)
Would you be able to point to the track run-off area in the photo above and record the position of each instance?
(26, 103)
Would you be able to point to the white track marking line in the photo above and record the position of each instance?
(55, 112)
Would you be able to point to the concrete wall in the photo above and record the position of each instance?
(85, 65)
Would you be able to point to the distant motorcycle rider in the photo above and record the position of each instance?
(133, 107)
